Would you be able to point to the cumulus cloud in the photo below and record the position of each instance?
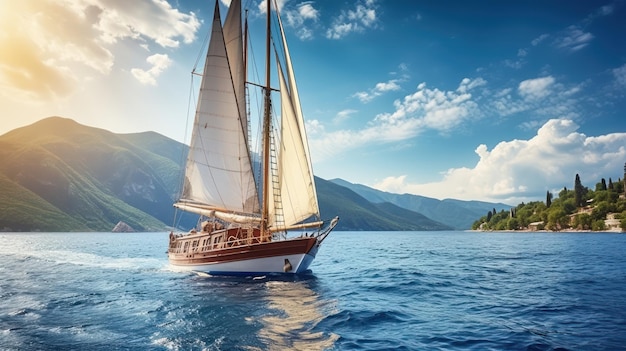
(537, 88)
(52, 45)
(544, 97)
(425, 109)
(522, 170)
(355, 20)
(159, 63)
(301, 17)
(155, 20)
(379, 89)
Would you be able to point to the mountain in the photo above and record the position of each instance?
(456, 213)
(93, 176)
(357, 213)
(59, 175)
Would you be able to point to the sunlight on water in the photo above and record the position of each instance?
(294, 311)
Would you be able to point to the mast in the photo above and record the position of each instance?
(266, 128)
(245, 49)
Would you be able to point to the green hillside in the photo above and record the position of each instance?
(23, 210)
(81, 171)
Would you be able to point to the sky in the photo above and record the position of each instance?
(473, 100)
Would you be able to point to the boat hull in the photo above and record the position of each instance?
(285, 256)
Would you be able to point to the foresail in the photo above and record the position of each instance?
(295, 177)
(219, 168)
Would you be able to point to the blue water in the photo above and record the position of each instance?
(367, 291)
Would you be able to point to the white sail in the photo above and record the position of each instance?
(219, 168)
(295, 177)
(299, 116)
(233, 37)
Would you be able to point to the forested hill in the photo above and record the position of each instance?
(600, 208)
(59, 175)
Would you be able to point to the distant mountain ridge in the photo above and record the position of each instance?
(59, 175)
(458, 214)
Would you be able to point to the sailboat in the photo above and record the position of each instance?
(248, 219)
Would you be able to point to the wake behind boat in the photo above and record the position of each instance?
(247, 224)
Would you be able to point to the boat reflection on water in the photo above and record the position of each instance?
(296, 311)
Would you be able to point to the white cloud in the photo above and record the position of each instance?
(307, 11)
(424, 109)
(159, 63)
(155, 20)
(522, 170)
(378, 90)
(344, 115)
(302, 17)
(64, 42)
(602, 11)
(539, 39)
(573, 39)
(356, 20)
(469, 84)
(541, 98)
(537, 88)
(620, 75)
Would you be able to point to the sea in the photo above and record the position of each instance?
(365, 291)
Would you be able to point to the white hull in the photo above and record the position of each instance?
(299, 264)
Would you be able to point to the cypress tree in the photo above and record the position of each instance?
(548, 198)
(610, 184)
(578, 189)
(603, 184)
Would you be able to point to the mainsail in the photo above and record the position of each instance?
(219, 168)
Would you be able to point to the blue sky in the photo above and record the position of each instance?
(488, 100)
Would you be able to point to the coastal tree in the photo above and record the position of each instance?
(582, 221)
(619, 186)
(600, 210)
(611, 187)
(512, 224)
(578, 191)
(548, 198)
(557, 218)
(598, 225)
